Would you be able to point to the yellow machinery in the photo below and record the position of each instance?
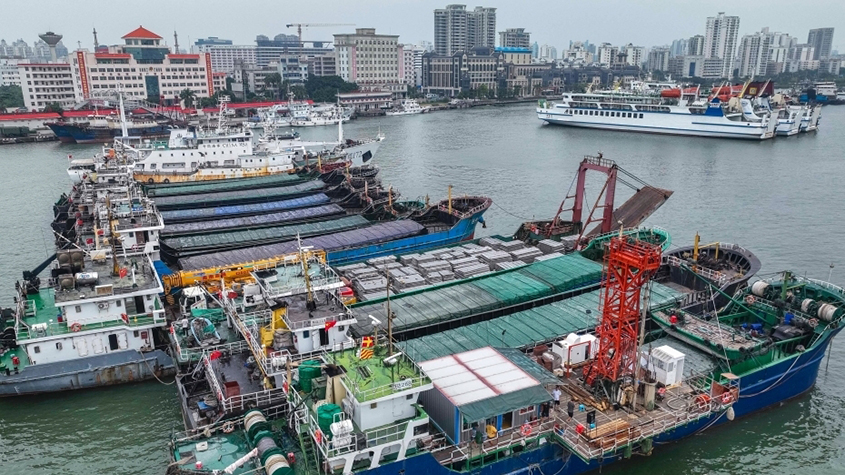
(212, 277)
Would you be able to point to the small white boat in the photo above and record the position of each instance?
(408, 107)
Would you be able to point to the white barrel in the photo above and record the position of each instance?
(826, 312)
(805, 305)
(759, 288)
(277, 464)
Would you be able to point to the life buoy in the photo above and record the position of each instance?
(318, 436)
(750, 299)
(525, 430)
(726, 397)
(75, 327)
(228, 427)
(125, 318)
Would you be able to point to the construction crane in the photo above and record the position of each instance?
(299, 27)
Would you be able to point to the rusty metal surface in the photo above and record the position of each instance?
(640, 206)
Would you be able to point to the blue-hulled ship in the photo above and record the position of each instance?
(105, 129)
(712, 350)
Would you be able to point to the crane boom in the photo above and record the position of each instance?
(299, 27)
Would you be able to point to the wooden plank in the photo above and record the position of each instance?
(612, 427)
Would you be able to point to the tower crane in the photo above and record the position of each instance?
(299, 27)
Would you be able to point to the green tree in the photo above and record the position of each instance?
(188, 97)
(299, 92)
(482, 91)
(517, 91)
(273, 81)
(11, 96)
(54, 107)
(325, 88)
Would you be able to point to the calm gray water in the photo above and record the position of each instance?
(781, 198)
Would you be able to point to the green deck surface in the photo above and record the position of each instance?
(522, 329)
(459, 299)
(6, 359)
(223, 450)
(379, 377)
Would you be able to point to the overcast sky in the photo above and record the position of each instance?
(556, 22)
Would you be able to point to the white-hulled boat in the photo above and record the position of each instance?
(688, 116)
(408, 107)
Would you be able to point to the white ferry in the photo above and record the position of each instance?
(689, 116)
(409, 107)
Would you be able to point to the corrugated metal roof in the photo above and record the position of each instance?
(461, 299)
(524, 329)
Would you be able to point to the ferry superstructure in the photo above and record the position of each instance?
(688, 116)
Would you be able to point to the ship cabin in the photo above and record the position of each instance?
(88, 309)
(479, 393)
(366, 406)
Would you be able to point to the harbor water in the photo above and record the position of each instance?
(780, 198)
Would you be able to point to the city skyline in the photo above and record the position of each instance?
(654, 26)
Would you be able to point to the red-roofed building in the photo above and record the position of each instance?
(141, 33)
(143, 68)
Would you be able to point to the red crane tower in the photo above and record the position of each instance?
(628, 266)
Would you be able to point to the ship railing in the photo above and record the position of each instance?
(824, 284)
(341, 319)
(55, 328)
(383, 435)
(262, 398)
(339, 445)
(590, 444)
(505, 439)
(186, 353)
(770, 306)
(718, 277)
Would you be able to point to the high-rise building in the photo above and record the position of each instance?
(822, 40)
(535, 50)
(46, 83)
(9, 73)
(212, 40)
(634, 55)
(547, 53)
(456, 29)
(720, 40)
(753, 54)
(679, 47)
(695, 46)
(373, 61)
(514, 38)
(658, 59)
(607, 54)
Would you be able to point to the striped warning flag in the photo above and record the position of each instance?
(367, 344)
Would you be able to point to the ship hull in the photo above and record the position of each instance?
(665, 124)
(759, 390)
(95, 371)
(83, 134)
(462, 231)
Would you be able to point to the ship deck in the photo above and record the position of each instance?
(370, 378)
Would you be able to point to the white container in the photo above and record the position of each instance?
(575, 349)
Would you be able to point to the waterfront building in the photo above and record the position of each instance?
(224, 57)
(142, 67)
(658, 59)
(830, 66)
(457, 29)
(720, 40)
(695, 46)
(821, 39)
(753, 54)
(9, 73)
(365, 101)
(293, 68)
(373, 61)
(515, 38)
(695, 66)
(47, 83)
(464, 71)
(218, 81)
(323, 65)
